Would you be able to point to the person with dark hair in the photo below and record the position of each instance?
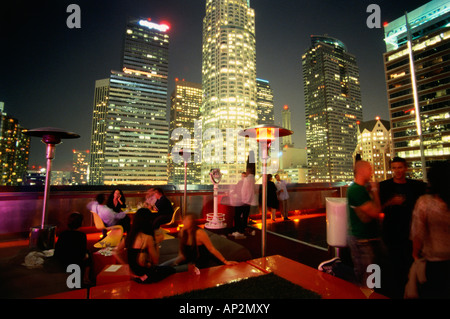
(430, 233)
(272, 198)
(142, 250)
(196, 249)
(71, 246)
(164, 208)
(398, 196)
(116, 200)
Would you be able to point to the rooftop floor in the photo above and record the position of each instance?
(301, 239)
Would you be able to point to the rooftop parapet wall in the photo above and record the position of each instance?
(21, 207)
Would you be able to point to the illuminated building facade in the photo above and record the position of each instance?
(264, 102)
(375, 146)
(14, 150)
(129, 142)
(286, 141)
(430, 34)
(229, 86)
(80, 167)
(185, 104)
(332, 108)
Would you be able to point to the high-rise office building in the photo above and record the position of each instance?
(427, 94)
(264, 102)
(129, 142)
(229, 86)
(332, 108)
(375, 146)
(80, 167)
(14, 150)
(286, 141)
(185, 104)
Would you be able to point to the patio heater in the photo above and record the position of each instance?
(265, 134)
(215, 220)
(43, 237)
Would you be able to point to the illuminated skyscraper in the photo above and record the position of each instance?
(229, 85)
(80, 167)
(430, 34)
(130, 132)
(186, 100)
(14, 150)
(264, 102)
(332, 107)
(286, 141)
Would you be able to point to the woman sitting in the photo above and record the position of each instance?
(196, 249)
(142, 250)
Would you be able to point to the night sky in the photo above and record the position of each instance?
(48, 71)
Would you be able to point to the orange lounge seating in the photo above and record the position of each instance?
(175, 284)
(328, 286)
(73, 294)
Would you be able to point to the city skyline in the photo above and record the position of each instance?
(50, 75)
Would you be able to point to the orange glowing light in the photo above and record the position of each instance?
(265, 134)
(286, 107)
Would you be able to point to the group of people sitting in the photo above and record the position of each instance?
(110, 209)
(140, 246)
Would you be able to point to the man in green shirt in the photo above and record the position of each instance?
(364, 210)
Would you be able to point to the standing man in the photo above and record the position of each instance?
(364, 211)
(282, 196)
(398, 197)
(242, 213)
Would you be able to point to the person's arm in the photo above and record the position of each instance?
(203, 238)
(106, 214)
(119, 251)
(418, 228)
(153, 250)
(180, 256)
(371, 209)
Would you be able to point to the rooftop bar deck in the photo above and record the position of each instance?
(294, 247)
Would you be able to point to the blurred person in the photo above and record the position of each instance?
(141, 248)
(108, 216)
(150, 199)
(398, 196)
(196, 248)
(430, 233)
(243, 211)
(283, 196)
(236, 202)
(363, 221)
(164, 209)
(272, 198)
